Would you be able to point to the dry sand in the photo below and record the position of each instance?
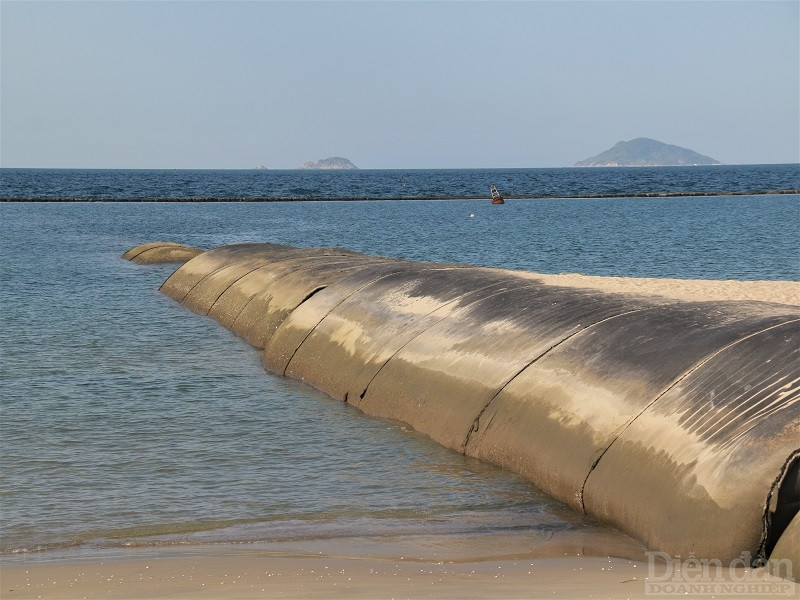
(780, 292)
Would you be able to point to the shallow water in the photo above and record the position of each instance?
(129, 422)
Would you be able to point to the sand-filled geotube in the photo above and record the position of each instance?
(161, 252)
(675, 421)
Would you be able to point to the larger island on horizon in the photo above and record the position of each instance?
(644, 152)
(332, 163)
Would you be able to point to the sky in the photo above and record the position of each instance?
(393, 84)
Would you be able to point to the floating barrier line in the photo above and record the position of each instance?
(676, 194)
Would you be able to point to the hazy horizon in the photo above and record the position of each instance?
(261, 167)
(393, 85)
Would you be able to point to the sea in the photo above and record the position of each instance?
(129, 424)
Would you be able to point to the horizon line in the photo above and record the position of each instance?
(262, 168)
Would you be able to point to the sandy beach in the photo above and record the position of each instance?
(704, 290)
(250, 575)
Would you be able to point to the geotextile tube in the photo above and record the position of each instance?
(161, 252)
(677, 422)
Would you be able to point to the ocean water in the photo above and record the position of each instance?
(393, 184)
(128, 422)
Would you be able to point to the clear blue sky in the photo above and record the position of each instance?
(393, 84)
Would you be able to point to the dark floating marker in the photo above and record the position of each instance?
(496, 197)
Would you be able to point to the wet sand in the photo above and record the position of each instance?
(253, 576)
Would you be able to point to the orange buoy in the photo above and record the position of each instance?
(496, 197)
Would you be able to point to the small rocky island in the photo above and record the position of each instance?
(334, 162)
(644, 152)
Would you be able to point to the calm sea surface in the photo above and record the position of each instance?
(128, 421)
(392, 184)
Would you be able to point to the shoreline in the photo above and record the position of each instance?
(254, 576)
(235, 573)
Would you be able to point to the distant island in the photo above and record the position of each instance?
(644, 152)
(334, 162)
